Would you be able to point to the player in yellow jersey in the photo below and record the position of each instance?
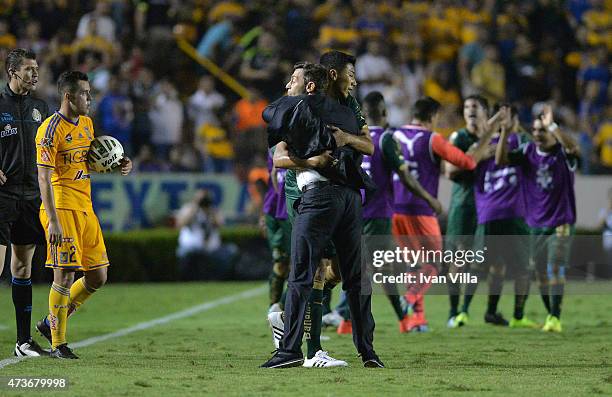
(72, 229)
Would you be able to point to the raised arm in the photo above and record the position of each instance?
(564, 139)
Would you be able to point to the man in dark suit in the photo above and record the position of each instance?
(330, 207)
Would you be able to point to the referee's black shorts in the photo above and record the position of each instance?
(20, 222)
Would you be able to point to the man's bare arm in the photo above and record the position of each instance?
(362, 143)
(283, 159)
(46, 193)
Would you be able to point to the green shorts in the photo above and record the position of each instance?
(279, 238)
(376, 227)
(550, 245)
(329, 251)
(505, 242)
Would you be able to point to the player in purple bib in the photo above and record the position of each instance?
(423, 151)
(548, 164)
(500, 208)
(382, 165)
(278, 231)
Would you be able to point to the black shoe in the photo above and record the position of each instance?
(63, 351)
(496, 319)
(372, 361)
(44, 330)
(29, 349)
(282, 359)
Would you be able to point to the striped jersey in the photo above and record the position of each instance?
(62, 146)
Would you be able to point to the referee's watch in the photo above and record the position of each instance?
(553, 127)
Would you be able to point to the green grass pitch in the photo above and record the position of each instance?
(218, 351)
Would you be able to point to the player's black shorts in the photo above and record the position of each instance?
(20, 223)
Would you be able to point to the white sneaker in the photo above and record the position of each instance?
(322, 360)
(275, 308)
(332, 319)
(29, 349)
(275, 319)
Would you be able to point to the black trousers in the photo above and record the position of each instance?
(324, 213)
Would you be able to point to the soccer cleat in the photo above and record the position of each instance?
(322, 360)
(64, 352)
(553, 324)
(331, 319)
(496, 319)
(417, 323)
(44, 330)
(345, 327)
(407, 308)
(275, 319)
(462, 319)
(282, 359)
(276, 307)
(29, 349)
(372, 361)
(523, 323)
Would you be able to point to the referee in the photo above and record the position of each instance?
(20, 117)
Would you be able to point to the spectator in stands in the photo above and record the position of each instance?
(603, 140)
(261, 66)
(373, 69)
(250, 128)
(166, 117)
(101, 16)
(183, 158)
(204, 104)
(32, 38)
(216, 149)
(147, 161)
(7, 39)
(201, 253)
(487, 77)
(116, 113)
(470, 55)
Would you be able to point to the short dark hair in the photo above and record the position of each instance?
(317, 74)
(425, 108)
(69, 81)
(480, 99)
(513, 109)
(15, 58)
(373, 101)
(299, 65)
(336, 60)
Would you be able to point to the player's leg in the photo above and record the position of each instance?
(518, 258)
(94, 263)
(318, 213)
(478, 269)
(280, 269)
(558, 256)
(347, 240)
(316, 357)
(21, 265)
(59, 296)
(2, 257)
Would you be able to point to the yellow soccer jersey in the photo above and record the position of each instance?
(63, 146)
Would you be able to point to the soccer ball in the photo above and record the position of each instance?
(105, 154)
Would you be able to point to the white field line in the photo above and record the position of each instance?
(158, 321)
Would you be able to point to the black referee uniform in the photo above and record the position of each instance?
(20, 117)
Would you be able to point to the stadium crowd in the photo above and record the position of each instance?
(171, 115)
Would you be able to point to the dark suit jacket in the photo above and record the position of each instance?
(301, 121)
